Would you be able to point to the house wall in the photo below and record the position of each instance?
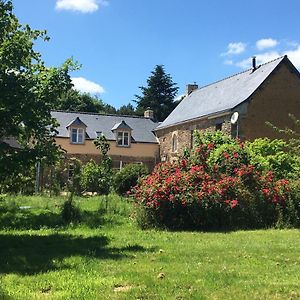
(274, 100)
(148, 153)
(184, 135)
(278, 96)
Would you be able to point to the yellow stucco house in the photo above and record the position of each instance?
(131, 138)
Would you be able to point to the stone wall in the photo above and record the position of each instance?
(184, 133)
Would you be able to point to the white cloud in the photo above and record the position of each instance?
(84, 6)
(266, 43)
(294, 56)
(86, 86)
(235, 48)
(260, 59)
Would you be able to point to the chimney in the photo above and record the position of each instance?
(149, 114)
(254, 63)
(191, 87)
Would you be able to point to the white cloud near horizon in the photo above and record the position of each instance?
(260, 59)
(83, 6)
(86, 86)
(266, 43)
(294, 56)
(235, 48)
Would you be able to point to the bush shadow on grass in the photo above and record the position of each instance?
(31, 254)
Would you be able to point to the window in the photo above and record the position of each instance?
(77, 135)
(123, 139)
(174, 143)
(219, 126)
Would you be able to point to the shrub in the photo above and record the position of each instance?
(95, 178)
(128, 177)
(268, 154)
(215, 187)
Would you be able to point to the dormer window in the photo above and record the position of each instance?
(77, 131)
(77, 136)
(123, 138)
(122, 133)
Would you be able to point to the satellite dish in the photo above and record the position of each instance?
(234, 118)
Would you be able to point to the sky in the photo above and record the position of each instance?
(119, 42)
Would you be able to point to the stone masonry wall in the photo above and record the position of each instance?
(184, 135)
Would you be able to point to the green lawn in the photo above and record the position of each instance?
(108, 257)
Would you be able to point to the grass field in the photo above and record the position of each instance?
(108, 257)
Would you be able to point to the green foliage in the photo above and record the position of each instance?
(127, 110)
(72, 100)
(217, 138)
(128, 177)
(23, 182)
(95, 178)
(158, 95)
(29, 90)
(70, 213)
(274, 155)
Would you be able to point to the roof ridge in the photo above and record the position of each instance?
(98, 114)
(239, 73)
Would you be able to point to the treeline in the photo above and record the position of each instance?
(73, 100)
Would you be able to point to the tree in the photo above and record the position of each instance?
(73, 100)
(28, 90)
(158, 95)
(126, 110)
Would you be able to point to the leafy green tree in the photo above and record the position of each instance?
(159, 94)
(28, 90)
(126, 110)
(73, 100)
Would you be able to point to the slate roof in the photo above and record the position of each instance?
(221, 96)
(122, 125)
(77, 122)
(142, 128)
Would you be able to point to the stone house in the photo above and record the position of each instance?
(131, 139)
(264, 93)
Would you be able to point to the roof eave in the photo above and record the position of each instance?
(209, 116)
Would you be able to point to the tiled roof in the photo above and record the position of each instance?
(142, 128)
(220, 96)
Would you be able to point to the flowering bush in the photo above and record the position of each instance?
(215, 187)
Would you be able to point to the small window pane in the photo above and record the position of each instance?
(80, 137)
(120, 138)
(74, 135)
(126, 139)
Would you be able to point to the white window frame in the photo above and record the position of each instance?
(78, 134)
(121, 138)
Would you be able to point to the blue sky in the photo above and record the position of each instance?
(119, 42)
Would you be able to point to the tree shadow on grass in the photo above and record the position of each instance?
(29, 220)
(31, 254)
